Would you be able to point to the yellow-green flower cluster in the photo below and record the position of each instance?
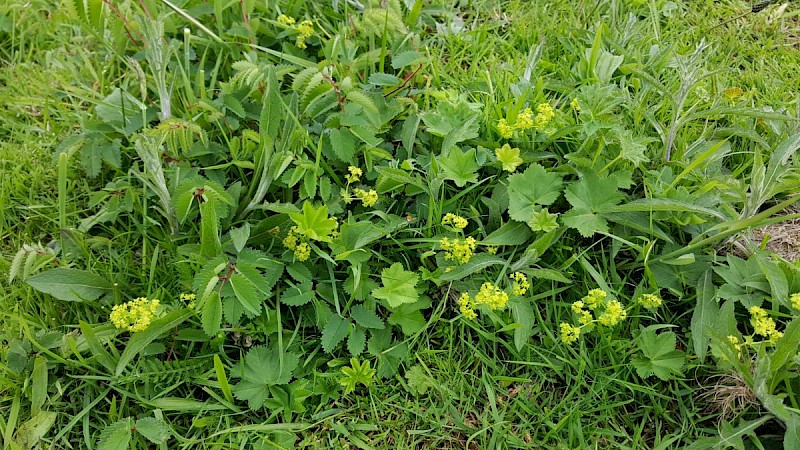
(544, 116)
(467, 306)
(521, 285)
(506, 131)
(134, 315)
(795, 300)
(735, 343)
(524, 121)
(285, 20)
(593, 308)
(368, 198)
(458, 250)
(569, 333)
(613, 314)
(595, 298)
(355, 174)
(575, 105)
(302, 252)
(454, 221)
(763, 324)
(649, 301)
(189, 299)
(491, 296)
(306, 30)
(295, 241)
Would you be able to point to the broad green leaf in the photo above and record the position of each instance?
(363, 99)
(210, 245)
(786, 347)
(591, 198)
(116, 436)
(383, 79)
(409, 316)
(659, 356)
(239, 236)
(705, 312)
(406, 58)
(263, 368)
(298, 295)
(122, 111)
(454, 121)
(511, 233)
(460, 166)
(398, 286)
(247, 293)
(212, 314)
(530, 190)
(334, 332)
(791, 438)
(154, 430)
(30, 433)
(508, 157)
(543, 220)
(366, 317)
(142, 339)
(632, 148)
(70, 284)
(356, 341)
(314, 222)
(343, 144)
(38, 385)
(523, 314)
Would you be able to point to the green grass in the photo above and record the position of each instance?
(462, 384)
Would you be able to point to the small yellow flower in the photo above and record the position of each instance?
(306, 30)
(595, 298)
(544, 116)
(302, 251)
(135, 315)
(763, 325)
(189, 298)
(613, 314)
(368, 198)
(524, 120)
(575, 105)
(577, 307)
(492, 249)
(521, 284)
(795, 300)
(504, 129)
(459, 250)
(491, 296)
(285, 20)
(569, 333)
(454, 221)
(467, 306)
(585, 318)
(649, 301)
(355, 174)
(290, 241)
